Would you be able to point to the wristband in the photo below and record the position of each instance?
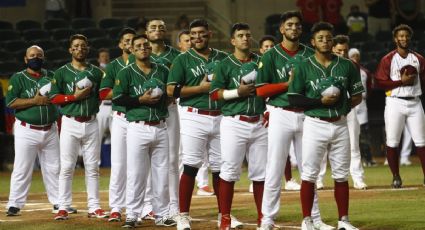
(230, 94)
(177, 90)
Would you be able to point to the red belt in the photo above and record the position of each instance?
(213, 113)
(292, 109)
(329, 119)
(81, 119)
(120, 114)
(250, 119)
(43, 128)
(151, 123)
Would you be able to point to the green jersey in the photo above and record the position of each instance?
(23, 85)
(64, 82)
(188, 69)
(165, 58)
(311, 75)
(228, 76)
(275, 67)
(134, 82)
(108, 80)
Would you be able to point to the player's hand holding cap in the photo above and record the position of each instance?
(330, 87)
(156, 85)
(84, 83)
(410, 70)
(210, 69)
(249, 72)
(44, 86)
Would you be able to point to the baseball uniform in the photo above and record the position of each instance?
(147, 139)
(36, 134)
(242, 133)
(285, 126)
(79, 131)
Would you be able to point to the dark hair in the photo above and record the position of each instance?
(125, 31)
(101, 50)
(198, 23)
(153, 19)
(341, 39)
(181, 33)
(318, 26)
(403, 27)
(238, 26)
(77, 37)
(267, 38)
(138, 36)
(182, 19)
(290, 14)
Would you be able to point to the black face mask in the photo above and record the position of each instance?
(35, 63)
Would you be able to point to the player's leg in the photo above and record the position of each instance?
(322, 172)
(202, 179)
(406, 147)
(233, 141)
(69, 143)
(146, 204)
(395, 118)
(50, 162)
(117, 182)
(26, 149)
(103, 119)
(257, 161)
(356, 168)
(91, 156)
(173, 129)
(416, 125)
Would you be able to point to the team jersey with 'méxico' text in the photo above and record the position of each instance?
(131, 80)
(64, 82)
(228, 76)
(189, 69)
(23, 85)
(309, 74)
(275, 67)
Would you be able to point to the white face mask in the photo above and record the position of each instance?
(102, 65)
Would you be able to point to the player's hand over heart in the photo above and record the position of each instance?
(40, 100)
(407, 79)
(329, 100)
(81, 93)
(205, 85)
(147, 98)
(246, 90)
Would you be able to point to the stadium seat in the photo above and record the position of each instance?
(91, 33)
(15, 45)
(114, 32)
(383, 36)
(107, 23)
(56, 54)
(10, 67)
(62, 33)
(6, 56)
(47, 44)
(360, 37)
(53, 24)
(7, 35)
(82, 23)
(101, 43)
(114, 52)
(35, 34)
(132, 22)
(4, 25)
(373, 46)
(27, 25)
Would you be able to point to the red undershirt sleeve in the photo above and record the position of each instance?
(62, 99)
(269, 90)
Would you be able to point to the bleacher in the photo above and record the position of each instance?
(52, 35)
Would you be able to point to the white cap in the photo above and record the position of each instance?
(353, 51)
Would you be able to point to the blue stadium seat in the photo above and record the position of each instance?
(82, 23)
(27, 24)
(5, 25)
(107, 23)
(35, 34)
(52, 24)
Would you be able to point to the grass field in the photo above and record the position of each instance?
(379, 207)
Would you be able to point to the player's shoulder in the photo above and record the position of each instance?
(389, 56)
(218, 54)
(418, 55)
(161, 67)
(17, 75)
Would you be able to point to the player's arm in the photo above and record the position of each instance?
(107, 83)
(13, 100)
(266, 89)
(383, 79)
(59, 98)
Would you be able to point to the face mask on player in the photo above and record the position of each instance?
(35, 63)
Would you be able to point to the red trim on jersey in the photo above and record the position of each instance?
(289, 52)
(214, 95)
(103, 93)
(382, 75)
(269, 90)
(62, 99)
(35, 74)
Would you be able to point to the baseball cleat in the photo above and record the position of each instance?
(268, 227)
(396, 181)
(344, 224)
(129, 223)
(292, 185)
(235, 223)
(183, 222)
(115, 217)
(307, 224)
(149, 216)
(204, 191)
(320, 225)
(13, 211)
(360, 185)
(165, 221)
(70, 210)
(98, 213)
(319, 185)
(61, 215)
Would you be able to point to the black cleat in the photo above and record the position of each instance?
(129, 223)
(396, 181)
(13, 211)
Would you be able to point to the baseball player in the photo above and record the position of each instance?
(184, 41)
(119, 125)
(140, 87)
(321, 85)
(401, 72)
(242, 130)
(75, 87)
(285, 124)
(406, 148)
(200, 116)
(164, 54)
(266, 42)
(35, 131)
